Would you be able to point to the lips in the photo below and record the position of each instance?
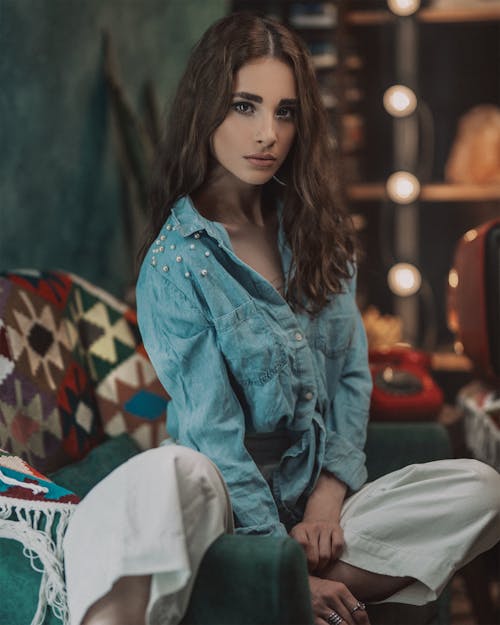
(261, 160)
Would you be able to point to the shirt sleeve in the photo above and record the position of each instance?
(346, 431)
(182, 345)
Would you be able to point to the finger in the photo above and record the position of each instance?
(356, 617)
(298, 533)
(342, 613)
(337, 543)
(360, 616)
(346, 603)
(325, 540)
(309, 547)
(300, 536)
(338, 605)
(312, 552)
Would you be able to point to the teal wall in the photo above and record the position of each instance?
(60, 194)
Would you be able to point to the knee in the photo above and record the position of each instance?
(195, 470)
(191, 460)
(201, 488)
(485, 485)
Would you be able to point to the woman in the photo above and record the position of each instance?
(246, 308)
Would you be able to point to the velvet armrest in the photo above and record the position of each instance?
(251, 580)
(391, 446)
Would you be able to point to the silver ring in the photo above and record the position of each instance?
(359, 606)
(334, 619)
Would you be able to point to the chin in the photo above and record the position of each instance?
(260, 177)
(255, 180)
(245, 175)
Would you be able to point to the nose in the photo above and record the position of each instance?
(266, 131)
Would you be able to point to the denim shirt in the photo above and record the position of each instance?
(236, 359)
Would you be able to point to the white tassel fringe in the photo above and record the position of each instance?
(35, 528)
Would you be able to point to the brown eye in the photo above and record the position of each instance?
(286, 112)
(242, 107)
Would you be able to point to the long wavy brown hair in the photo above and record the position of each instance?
(317, 227)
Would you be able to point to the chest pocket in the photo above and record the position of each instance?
(332, 335)
(254, 352)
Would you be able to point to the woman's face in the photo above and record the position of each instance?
(258, 131)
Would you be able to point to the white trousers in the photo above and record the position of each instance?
(424, 521)
(156, 514)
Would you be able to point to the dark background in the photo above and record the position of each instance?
(60, 195)
(459, 68)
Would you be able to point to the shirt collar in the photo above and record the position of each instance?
(187, 220)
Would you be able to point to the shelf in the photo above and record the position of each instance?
(461, 14)
(448, 361)
(430, 192)
(430, 15)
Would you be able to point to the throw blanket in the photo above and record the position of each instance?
(156, 514)
(35, 512)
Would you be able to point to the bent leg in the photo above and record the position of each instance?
(144, 529)
(366, 585)
(408, 532)
(124, 604)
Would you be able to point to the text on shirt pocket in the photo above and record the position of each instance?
(253, 351)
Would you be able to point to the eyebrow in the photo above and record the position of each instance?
(256, 98)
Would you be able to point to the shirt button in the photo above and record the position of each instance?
(298, 336)
(309, 395)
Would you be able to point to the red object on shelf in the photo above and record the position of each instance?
(403, 389)
(474, 298)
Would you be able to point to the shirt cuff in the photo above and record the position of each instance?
(273, 530)
(345, 461)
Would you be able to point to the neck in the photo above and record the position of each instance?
(230, 201)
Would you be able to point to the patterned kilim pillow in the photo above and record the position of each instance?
(72, 369)
(129, 396)
(35, 512)
(48, 411)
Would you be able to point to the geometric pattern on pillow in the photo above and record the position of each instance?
(72, 368)
(129, 396)
(79, 412)
(131, 399)
(6, 361)
(105, 335)
(41, 340)
(40, 370)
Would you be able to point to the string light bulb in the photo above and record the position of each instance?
(453, 278)
(404, 279)
(400, 101)
(403, 8)
(403, 187)
(470, 235)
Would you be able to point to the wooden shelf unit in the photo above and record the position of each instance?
(443, 192)
(449, 361)
(429, 15)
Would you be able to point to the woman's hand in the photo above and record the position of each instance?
(328, 596)
(320, 533)
(322, 541)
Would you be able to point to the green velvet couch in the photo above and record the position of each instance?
(242, 579)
